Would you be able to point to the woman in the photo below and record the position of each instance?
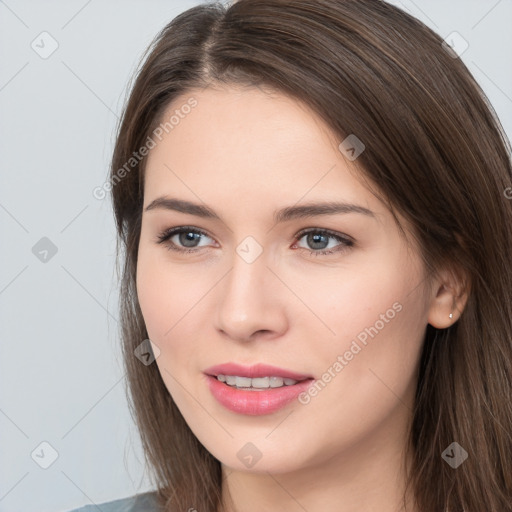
(313, 202)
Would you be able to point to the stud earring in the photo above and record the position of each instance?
(451, 315)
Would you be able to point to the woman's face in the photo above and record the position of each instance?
(252, 285)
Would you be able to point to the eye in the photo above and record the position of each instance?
(186, 236)
(319, 239)
(188, 239)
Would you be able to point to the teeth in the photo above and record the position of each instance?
(257, 382)
(260, 382)
(230, 380)
(276, 382)
(242, 382)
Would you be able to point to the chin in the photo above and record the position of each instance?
(260, 457)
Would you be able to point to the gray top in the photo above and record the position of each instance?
(145, 502)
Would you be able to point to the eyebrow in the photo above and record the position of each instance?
(282, 215)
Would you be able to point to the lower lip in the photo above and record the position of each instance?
(255, 403)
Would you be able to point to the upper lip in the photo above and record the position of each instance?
(257, 370)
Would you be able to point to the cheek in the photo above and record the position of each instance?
(172, 301)
(153, 300)
(342, 302)
(372, 320)
(168, 300)
(166, 294)
(371, 364)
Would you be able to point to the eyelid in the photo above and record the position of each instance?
(346, 240)
(169, 232)
(334, 234)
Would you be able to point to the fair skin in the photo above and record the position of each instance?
(245, 154)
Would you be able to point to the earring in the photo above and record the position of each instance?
(451, 315)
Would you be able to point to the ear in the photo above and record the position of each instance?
(449, 295)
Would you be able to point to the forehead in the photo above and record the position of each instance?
(240, 142)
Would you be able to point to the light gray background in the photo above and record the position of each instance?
(60, 369)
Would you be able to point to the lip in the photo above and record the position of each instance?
(257, 370)
(255, 403)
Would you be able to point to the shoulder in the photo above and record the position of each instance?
(145, 502)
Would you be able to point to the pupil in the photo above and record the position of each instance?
(188, 237)
(316, 239)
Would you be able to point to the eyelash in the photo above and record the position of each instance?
(168, 233)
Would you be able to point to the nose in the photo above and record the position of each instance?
(251, 302)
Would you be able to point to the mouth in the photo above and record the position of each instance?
(257, 383)
(258, 389)
(258, 376)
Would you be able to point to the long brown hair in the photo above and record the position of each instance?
(434, 149)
